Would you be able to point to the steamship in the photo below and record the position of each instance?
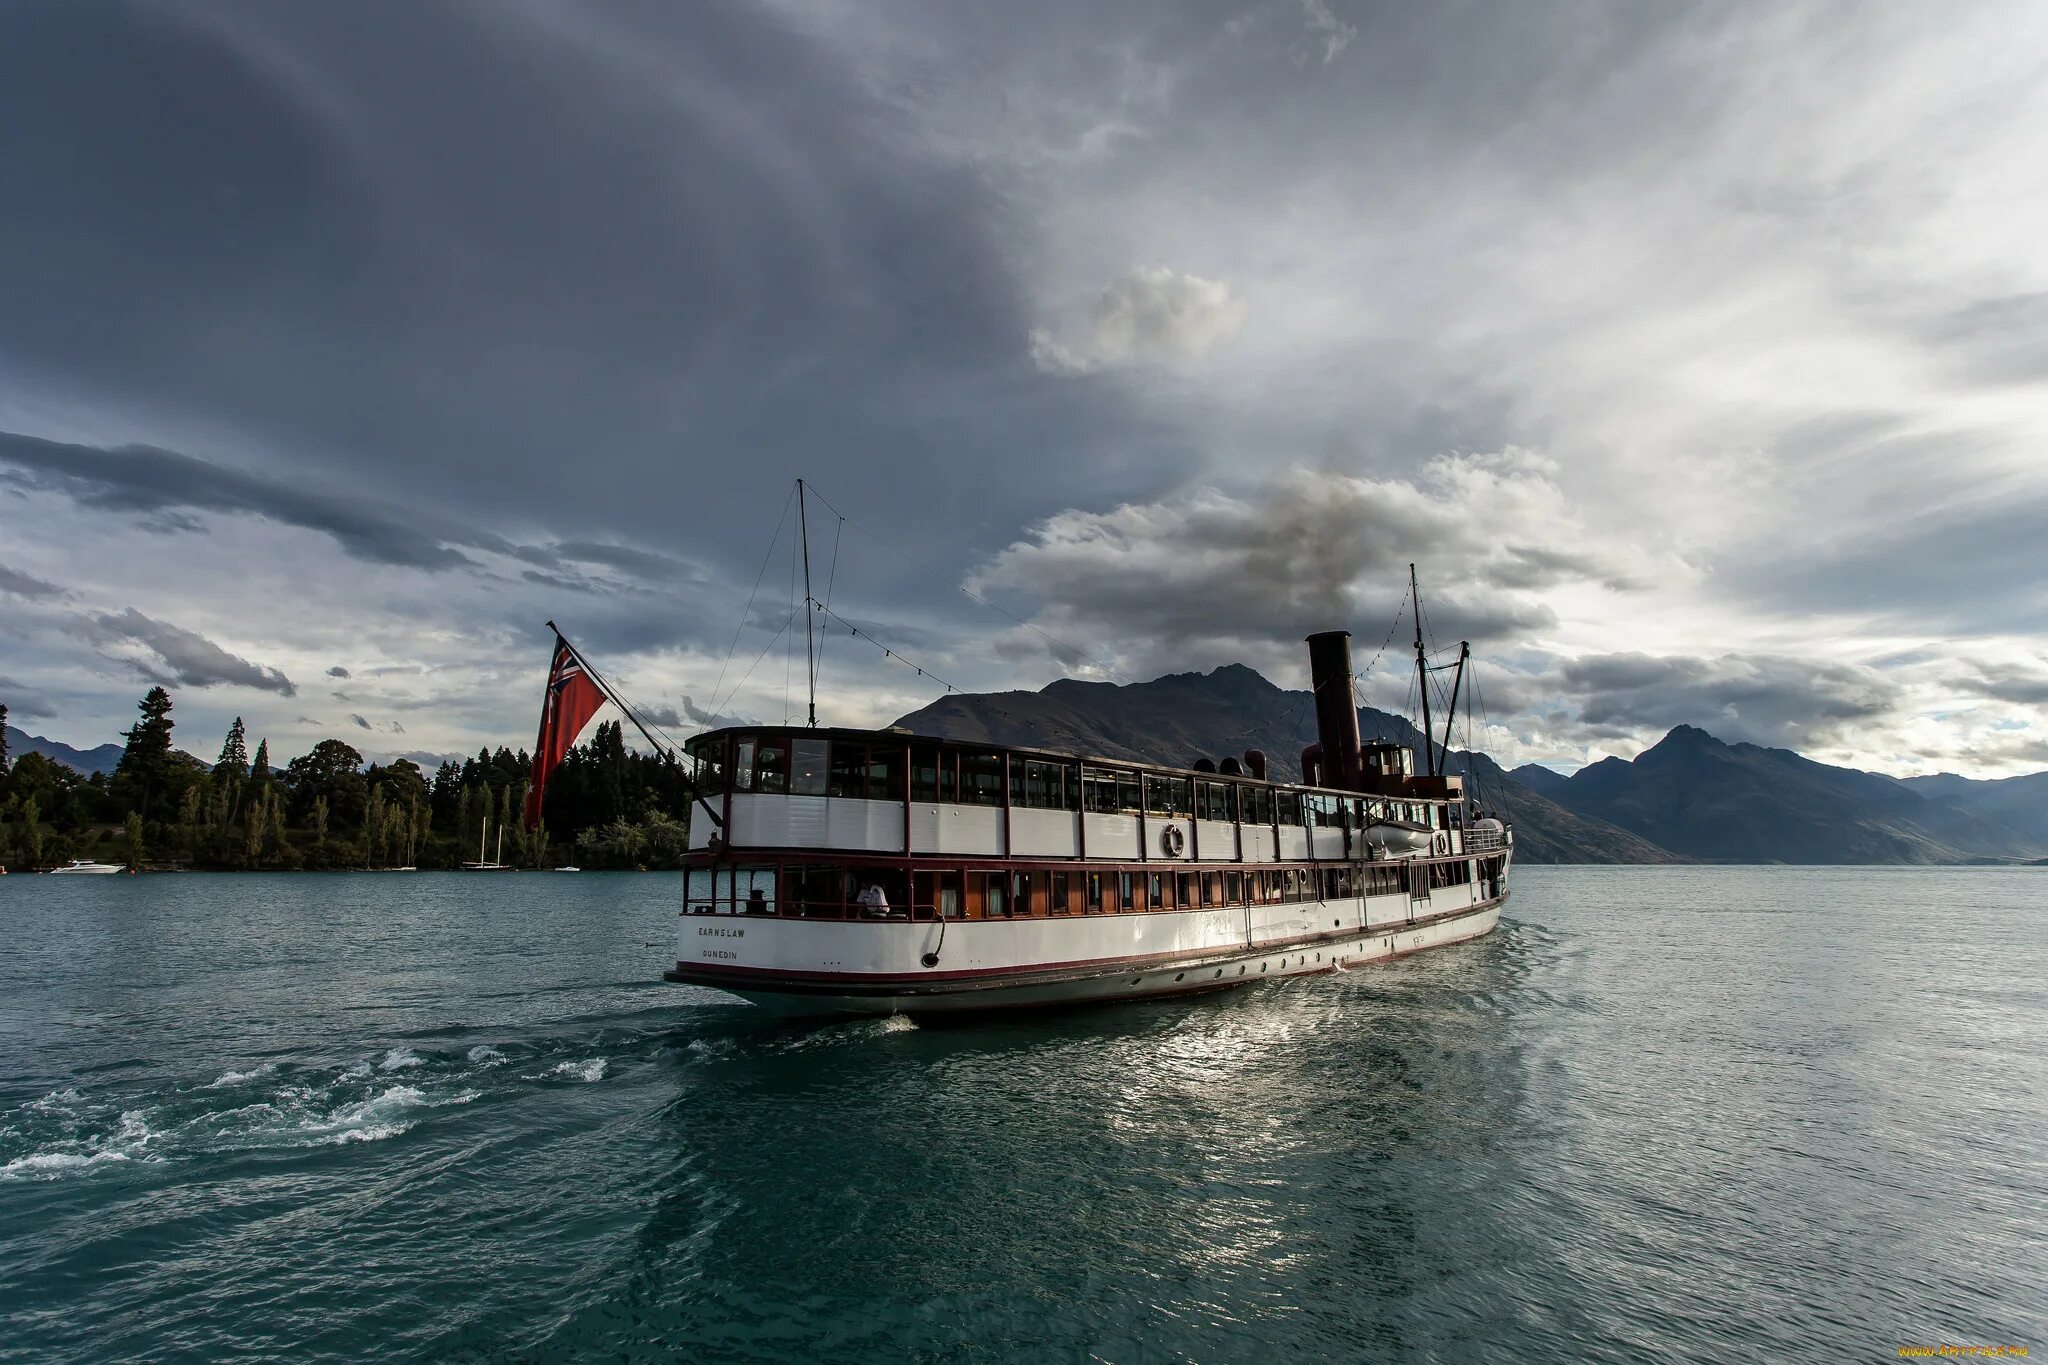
(883, 872)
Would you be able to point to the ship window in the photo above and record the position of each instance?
(1094, 905)
(924, 774)
(754, 890)
(1287, 806)
(1166, 795)
(1040, 786)
(1233, 884)
(1212, 888)
(949, 776)
(1058, 900)
(711, 769)
(849, 770)
(1188, 898)
(807, 767)
(885, 773)
(1215, 801)
(743, 767)
(994, 903)
(1025, 892)
(981, 779)
(1124, 899)
(932, 893)
(1098, 791)
(1130, 797)
(1155, 891)
(774, 766)
(815, 892)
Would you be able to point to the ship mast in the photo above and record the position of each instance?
(1457, 681)
(810, 607)
(1422, 673)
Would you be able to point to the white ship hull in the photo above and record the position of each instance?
(878, 967)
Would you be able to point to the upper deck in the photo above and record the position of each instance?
(792, 788)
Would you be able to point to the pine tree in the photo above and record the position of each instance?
(31, 835)
(134, 839)
(252, 833)
(234, 754)
(373, 823)
(145, 766)
(319, 826)
(189, 814)
(273, 822)
(3, 739)
(260, 766)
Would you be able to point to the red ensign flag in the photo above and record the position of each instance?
(572, 699)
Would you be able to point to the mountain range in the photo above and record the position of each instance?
(1689, 798)
(87, 761)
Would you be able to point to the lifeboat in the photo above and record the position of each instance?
(1399, 838)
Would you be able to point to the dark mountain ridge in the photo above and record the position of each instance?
(1707, 799)
(84, 762)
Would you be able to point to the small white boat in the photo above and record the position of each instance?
(1401, 838)
(568, 869)
(82, 867)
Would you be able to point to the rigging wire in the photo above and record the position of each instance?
(789, 649)
(818, 659)
(748, 611)
(968, 592)
(888, 651)
(773, 640)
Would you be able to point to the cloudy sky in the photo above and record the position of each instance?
(1696, 354)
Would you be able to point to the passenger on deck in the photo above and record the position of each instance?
(873, 903)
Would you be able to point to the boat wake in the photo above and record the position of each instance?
(280, 1106)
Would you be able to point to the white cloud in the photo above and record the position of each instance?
(1326, 28)
(1150, 315)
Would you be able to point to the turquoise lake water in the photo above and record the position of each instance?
(1663, 1114)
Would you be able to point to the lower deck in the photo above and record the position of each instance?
(939, 964)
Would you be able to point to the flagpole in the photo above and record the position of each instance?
(613, 697)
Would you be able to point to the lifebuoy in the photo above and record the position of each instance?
(1443, 841)
(1172, 840)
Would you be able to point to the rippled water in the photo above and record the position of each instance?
(1663, 1114)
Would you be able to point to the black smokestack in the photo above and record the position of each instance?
(1329, 669)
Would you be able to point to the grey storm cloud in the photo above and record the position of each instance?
(645, 564)
(337, 672)
(660, 715)
(146, 479)
(360, 722)
(1213, 573)
(797, 273)
(183, 656)
(2024, 685)
(709, 720)
(27, 586)
(24, 703)
(1764, 699)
